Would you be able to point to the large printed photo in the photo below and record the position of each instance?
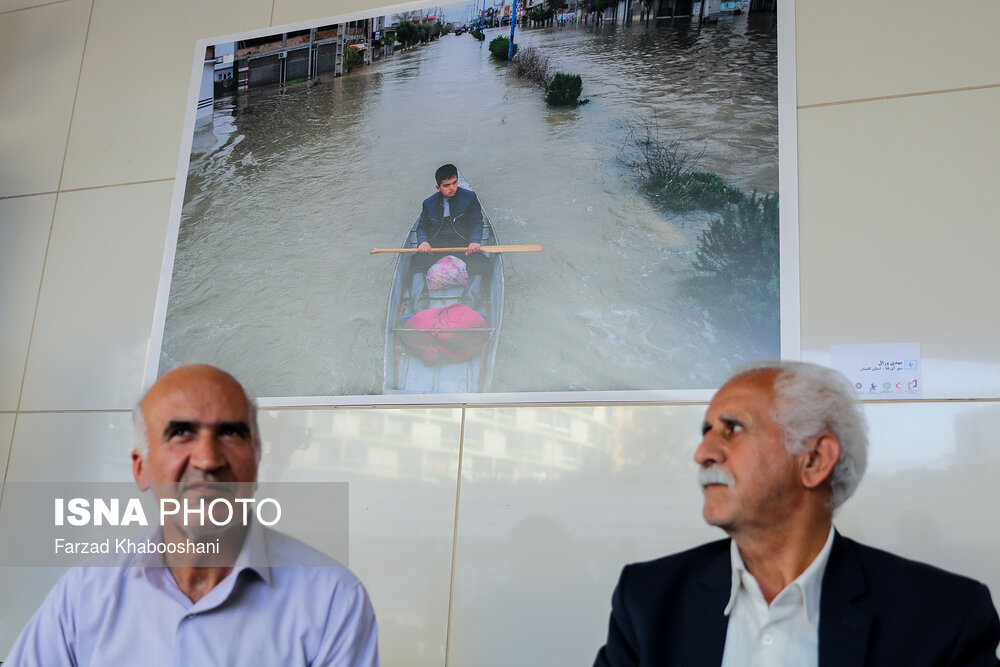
(613, 215)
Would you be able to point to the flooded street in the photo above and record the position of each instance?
(288, 190)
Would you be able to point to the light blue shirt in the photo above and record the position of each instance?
(317, 614)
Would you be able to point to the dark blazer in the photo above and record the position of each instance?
(465, 211)
(875, 609)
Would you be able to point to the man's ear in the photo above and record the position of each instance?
(819, 460)
(139, 471)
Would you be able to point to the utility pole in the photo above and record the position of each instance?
(513, 22)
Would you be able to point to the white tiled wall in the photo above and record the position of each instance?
(897, 225)
(134, 83)
(917, 175)
(95, 309)
(6, 432)
(554, 501)
(43, 48)
(24, 233)
(290, 11)
(73, 446)
(402, 508)
(854, 49)
(55, 447)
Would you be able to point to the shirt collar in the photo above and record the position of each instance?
(809, 583)
(253, 555)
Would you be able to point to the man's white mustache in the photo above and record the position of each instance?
(714, 475)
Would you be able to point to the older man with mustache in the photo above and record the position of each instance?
(783, 446)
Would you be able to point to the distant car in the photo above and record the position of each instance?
(459, 30)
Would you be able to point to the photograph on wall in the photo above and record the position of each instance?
(398, 205)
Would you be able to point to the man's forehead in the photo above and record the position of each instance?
(746, 393)
(196, 394)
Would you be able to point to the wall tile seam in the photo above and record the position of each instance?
(474, 408)
(454, 540)
(55, 209)
(28, 194)
(71, 411)
(880, 98)
(91, 187)
(6, 465)
(24, 9)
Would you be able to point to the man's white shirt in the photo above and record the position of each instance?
(784, 633)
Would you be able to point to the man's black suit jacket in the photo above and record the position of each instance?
(875, 609)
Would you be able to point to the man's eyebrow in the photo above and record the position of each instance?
(239, 426)
(727, 419)
(175, 424)
(731, 420)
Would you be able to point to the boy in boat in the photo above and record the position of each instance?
(451, 217)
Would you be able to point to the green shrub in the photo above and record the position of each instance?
(739, 252)
(669, 173)
(499, 46)
(736, 254)
(689, 190)
(564, 90)
(478, 34)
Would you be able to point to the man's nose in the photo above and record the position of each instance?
(207, 453)
(707, 452)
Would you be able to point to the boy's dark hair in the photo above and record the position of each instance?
(444, 172)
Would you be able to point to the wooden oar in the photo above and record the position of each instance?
(484, 248)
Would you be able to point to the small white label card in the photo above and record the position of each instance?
(880, 370)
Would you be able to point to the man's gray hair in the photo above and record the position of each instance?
(140, 436)
(811, 400)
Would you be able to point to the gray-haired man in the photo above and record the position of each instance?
(783, 446)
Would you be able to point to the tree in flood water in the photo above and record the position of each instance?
(531, 64)
(599, 7)
(646, 10)
(408, 33)
(739, 252)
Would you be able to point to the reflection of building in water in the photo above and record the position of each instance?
(304, 54)
(649, 439)
(541, 444)
(503, 444)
